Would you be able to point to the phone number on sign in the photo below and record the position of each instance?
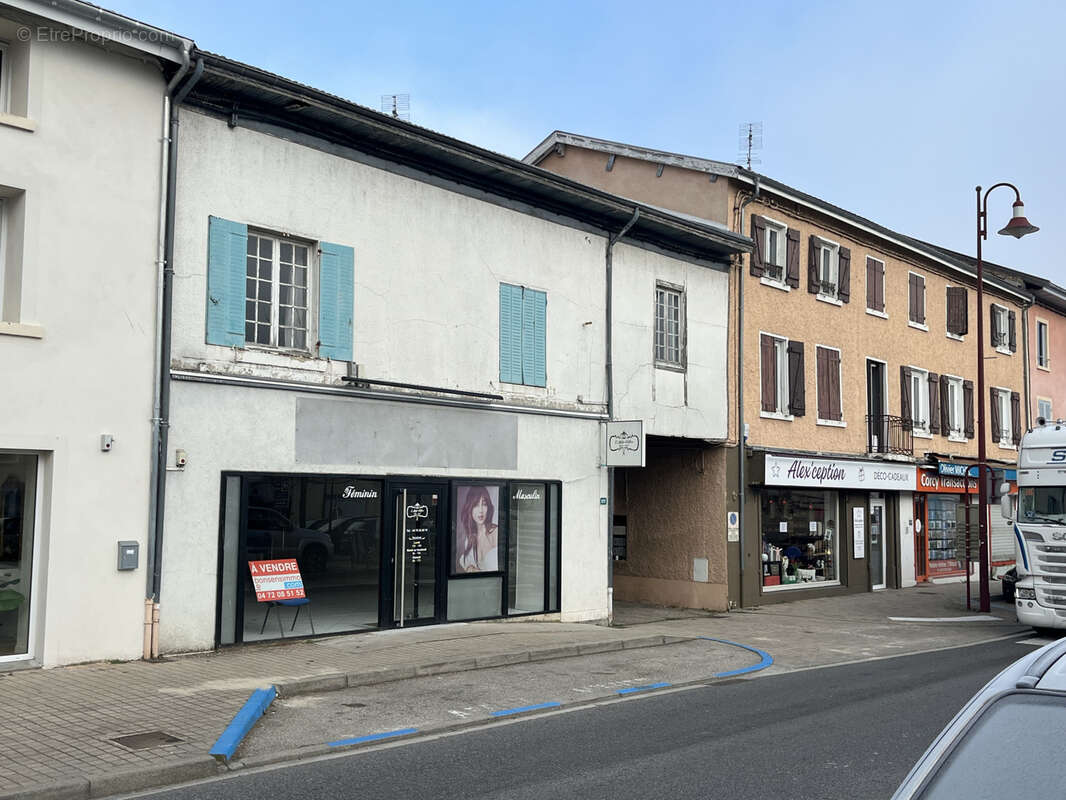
(281, 594)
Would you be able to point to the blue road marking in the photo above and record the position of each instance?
(238, 728)
(643, 688)
(507, 711)
(373, 737)
(766, 661)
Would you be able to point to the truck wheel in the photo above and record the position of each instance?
(1051, 633)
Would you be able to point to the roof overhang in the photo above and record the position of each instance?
(228, 87)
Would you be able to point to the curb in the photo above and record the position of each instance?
(104, 784)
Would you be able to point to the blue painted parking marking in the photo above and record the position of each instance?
(645, 688)
(505, 712)
(373, 737)
(766, 658)
(238, 728)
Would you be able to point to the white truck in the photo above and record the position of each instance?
(1040, 527)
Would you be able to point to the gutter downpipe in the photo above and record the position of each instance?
(162, 410)
(612, 240)
(742, 440)
(1025, 365)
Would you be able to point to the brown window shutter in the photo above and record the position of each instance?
(1015, 417)
(871, 283)
(954, 314)
(945, 409)
(912, 293)
(821, 372)
(905, 397)
(993, 326)
(1012, 331)
(994, 409)
(919, 303)
(967, 407)
(792, 258)
(812, 265)
(769, 374)
(796, 389)
(934, 403)
(758, 237)
(844, 275)
(833, 360)
(880, 285)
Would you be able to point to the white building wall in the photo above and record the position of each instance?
(906, 539)
(690, 403)
(89, 178)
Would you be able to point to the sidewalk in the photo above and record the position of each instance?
(60, 724)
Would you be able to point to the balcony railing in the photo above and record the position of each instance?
(888, 434)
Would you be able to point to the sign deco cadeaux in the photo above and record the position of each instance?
(277, 580)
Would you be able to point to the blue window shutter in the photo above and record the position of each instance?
(510, 333)
(227, 252)
(528, 350)
(540, 307)
(336, 302)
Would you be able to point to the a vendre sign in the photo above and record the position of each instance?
(832, 473)
(277, 580)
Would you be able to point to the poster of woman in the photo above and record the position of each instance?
(477, 529)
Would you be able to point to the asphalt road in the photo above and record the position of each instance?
(839, 732)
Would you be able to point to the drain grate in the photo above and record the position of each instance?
(144, 741)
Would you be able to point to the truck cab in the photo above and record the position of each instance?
(1039, 523)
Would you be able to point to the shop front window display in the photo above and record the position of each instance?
(943, 556)
(800, 529)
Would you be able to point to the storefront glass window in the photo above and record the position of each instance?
(943, 557)
(18, 488)
(525, 578)
(800, 532)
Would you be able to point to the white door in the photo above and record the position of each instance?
(877, 543)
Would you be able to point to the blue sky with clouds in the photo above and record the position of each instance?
(893, 111)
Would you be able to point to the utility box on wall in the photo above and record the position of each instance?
(128, 555)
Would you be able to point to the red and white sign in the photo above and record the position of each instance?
(930, 481)
(277, 580)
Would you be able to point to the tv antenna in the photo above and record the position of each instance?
(750, 143)
(397, 105)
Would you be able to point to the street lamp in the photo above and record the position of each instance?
(1018, 227)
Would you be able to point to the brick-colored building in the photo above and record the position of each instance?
(857, 356)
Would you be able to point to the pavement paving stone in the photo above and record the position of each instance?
(58, 723)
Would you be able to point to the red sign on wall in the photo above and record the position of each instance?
(277, 580)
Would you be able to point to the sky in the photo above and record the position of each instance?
(894, 111)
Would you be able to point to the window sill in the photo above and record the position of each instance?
(1008, 446)
(917, 434)
(828, 299)
(1043, 368)
(955, 337)
(669, 366)
(873, 312)
(784, 287)
(911, 323)
(1006, 351)
(957, 437)
(776, 415)
(832, 423)
(15, 121)
(21, 329)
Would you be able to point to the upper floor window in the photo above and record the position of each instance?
(669, 325)
(1006, 424)
(774, 259)
(276, 292)
(829, 394)
(1042, 358)
(915, 397)
(958, 319)
(781, 367)
(875, 285)
(1003, 329)
(775, 255)
(262, 291)
(523, 335)
(916, 293)
(1043, 408)
(953, 420)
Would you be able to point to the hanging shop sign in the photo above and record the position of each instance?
(827, 473)
(928, 480)
(625, 443)
(277, 580)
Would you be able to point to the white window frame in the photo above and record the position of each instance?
(664, 362)
(310, 329)
(1039, 411)
(1005, 436)
(1002, 312)
(5, 76)
(956, 410)
(3, 250)
(1043, 360)
(833, 423)
(884, 279)
(782, 252)
(922, 326)
(920, 402)
(832, 250)
(781, 390)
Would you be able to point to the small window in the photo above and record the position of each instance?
(12, 224)
(523, 335)
(829, 395)
(1002, 422)
(781, 364)
(1042, 358)
(276, 296)
(669, 326)
(1043, 408)
(919, 392)
(954, 404)
(999, 327)
(875, 284)
(774, 259)
(916, 311)
(828, 270)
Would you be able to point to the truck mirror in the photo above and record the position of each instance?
(1004, 488)
(1006, 507)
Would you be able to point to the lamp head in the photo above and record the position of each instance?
(1018, 226)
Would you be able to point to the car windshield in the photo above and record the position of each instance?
(1043, 504)
(1024, 730)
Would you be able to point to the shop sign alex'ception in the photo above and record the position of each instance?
(829, 473)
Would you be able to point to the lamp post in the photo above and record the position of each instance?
(1018, 227)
